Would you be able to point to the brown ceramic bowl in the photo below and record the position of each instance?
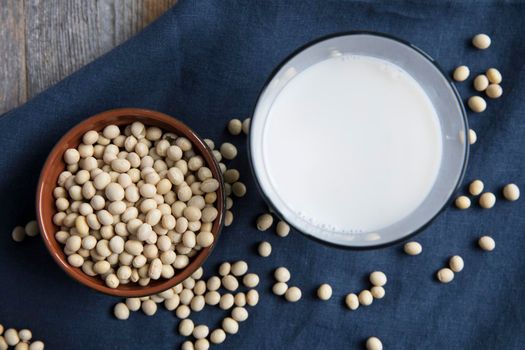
(54, 165)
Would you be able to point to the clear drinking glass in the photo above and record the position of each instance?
(440, 90)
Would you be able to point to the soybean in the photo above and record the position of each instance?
(378, 278)
(462, 202)
(477, 104)
(246, 126)
(293, 294)
(487, 243)
(282, 229)
(494, 75)
(456, 263)
(413, 248)
(377, 292)
(481, 82)
(352, 301)
(264, 249)
(445, 275)
(511, 192)
(487, 200)
(239, 268)
(494, 91)
(121, 311)
(218, 336)
(228, 151)
(251, 280)
(481, 41)
(279, 288)
(264, 222)
(282, 274)
(374, 343)
(324, 292)
(476, 187)
(461, 73)
(235, 126)
(365, 298)
(230, 326)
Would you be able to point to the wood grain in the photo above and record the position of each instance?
(13, 88)
(43, 41)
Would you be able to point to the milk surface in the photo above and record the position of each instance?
(352, 144)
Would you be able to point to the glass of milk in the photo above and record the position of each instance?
(358, 140)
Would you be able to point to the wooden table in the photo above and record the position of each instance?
(42, 41)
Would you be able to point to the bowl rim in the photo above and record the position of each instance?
(417, 50)
(195, 262)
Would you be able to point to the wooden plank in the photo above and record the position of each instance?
(13, 88)
(64, 35)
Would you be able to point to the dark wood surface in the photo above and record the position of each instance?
(43, 41)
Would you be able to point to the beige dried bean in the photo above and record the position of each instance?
(377, 292)
(324, 292)
(481, 41)
(374, 343)
(462, 202)
(494, 91)
(36, 345)
(205, 239)
(445, 275)
(282, 274)
(472, 137)
(239, 189)
(279, 288)
(264, 222)
(229, 325)
(264, 249)
(246, 125)
(212, 297)
(121, 311)
(477, 104)
(218, 336)
(352, 301)
(365, 298)
(494, 75)
(18, 234)
(378, 278)
(481, 82)
(251, 280)
(230, 283)
(213, 283)
(235, 126)
(487, 200)
(487, 243)
(227, 301)
(456, 263)
(476, 187)
(461, 73)
(186, 327)
(209, 185)
(71, 156)
(282, 229)
(239, 314)
(11, 337)
(228, 218)
(228, 150)
(511, 192)
(293, 294)
(413, 248)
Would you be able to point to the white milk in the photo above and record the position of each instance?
(352, 144)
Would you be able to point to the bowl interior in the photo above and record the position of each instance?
(55, 165)
(442, 94)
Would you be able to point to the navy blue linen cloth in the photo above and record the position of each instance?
(205, 62)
